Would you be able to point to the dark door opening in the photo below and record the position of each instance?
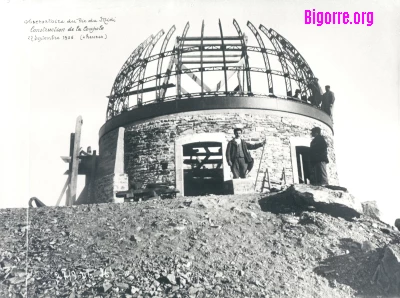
(303, 164)
(203, 169)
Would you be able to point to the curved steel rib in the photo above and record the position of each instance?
(223, 56)
(244, 54)
(161, 60)
(299, 61)
(144, 65)
(125, 76)
(281, 58)
(201, 58)
(179, 65)
(265, 56)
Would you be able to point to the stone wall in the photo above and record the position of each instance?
(108, 150)
(103, 190)
(110, 176)
(147, 143)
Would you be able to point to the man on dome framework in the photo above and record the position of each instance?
(238, 155)
(328, 99)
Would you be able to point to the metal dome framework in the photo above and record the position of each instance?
(232, 53)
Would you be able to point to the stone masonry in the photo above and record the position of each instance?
(110, 176)
(147, 143)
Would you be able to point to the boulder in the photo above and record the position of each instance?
(387, 274)
(337, 203)
(370, 208)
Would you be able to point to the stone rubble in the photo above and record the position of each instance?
(216, 246)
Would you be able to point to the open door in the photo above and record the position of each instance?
(203, 168)
(303, 164)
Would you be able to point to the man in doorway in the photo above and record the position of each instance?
(238, 155)
(328, 99)
(318, 157)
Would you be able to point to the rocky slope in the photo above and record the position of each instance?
(214, 246)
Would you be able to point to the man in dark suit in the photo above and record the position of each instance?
(328, 99)
(318, 157)
(238, 155)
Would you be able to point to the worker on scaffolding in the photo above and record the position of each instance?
(328, 99)
(238, 155)
(316, 97)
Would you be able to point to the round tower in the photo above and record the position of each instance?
(180, 94)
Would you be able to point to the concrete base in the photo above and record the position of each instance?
(240, 186)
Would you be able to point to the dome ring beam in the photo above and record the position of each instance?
(214, 103)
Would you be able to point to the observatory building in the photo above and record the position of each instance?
(180, 94)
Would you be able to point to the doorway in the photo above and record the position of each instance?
(203, 168)
(303, 164)
(300, 156)
(208, 178)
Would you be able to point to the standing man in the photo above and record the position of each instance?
(328, 100)
(238, 155)
(318, 157)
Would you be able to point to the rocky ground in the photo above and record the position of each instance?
(213, 246)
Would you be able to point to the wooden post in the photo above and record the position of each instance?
(284, 176)
(74, 163)
(302, 169)
(71, 152)
(262, 154)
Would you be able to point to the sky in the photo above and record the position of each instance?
(46, 85)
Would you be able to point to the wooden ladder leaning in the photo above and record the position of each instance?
(266, 179)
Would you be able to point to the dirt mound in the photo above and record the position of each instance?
(214, 246)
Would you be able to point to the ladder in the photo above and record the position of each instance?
(266, 179)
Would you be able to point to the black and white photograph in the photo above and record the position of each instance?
(194, 149)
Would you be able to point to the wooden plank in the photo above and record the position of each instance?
(66, 159)
(62, 192)
(71, 152)
(302, 169)
(75, 162)
(202, 154)
(209, 161)
(202, 144)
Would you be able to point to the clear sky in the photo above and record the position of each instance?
(46, 85)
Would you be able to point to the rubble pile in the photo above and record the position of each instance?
(212, 246)
(13, 252)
